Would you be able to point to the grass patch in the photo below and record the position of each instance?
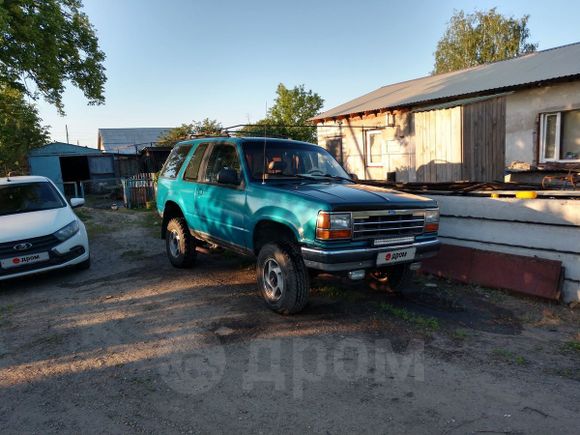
(509, 357)
(571, 346)
(460, 334)
(429, 324)
(83, 214)
(334, 292)
(150, 221)
(5, 312)
(94, 229)
(133, 254)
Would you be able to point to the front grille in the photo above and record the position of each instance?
(39, 244)
(387, 223)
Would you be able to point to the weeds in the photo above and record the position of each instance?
(133, 254)
(429, 324)
(335, 292)
(571, 346)
(509, 357)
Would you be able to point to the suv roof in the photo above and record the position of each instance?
(240, 139)
(22, 179)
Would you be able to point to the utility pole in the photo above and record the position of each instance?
(66, 129)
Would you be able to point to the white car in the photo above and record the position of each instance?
(39, 231)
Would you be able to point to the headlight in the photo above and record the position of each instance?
(431, 221)
(67, 231)
(333, 226)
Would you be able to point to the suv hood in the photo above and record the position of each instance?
(22, 226)
(356, 196)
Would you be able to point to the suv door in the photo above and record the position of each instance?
(189, 186)
(221, 208)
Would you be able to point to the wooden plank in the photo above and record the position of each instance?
(456, 141)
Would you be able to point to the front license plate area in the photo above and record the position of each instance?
(23, 260)
(395, 256)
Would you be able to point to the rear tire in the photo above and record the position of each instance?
(282, 278)
(392, 278)
(179, 244)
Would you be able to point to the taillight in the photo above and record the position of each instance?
(333, 226)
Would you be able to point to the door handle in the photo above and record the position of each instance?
(200, 192)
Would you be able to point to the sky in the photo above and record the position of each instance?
(170, 62)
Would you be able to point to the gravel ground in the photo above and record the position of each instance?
(133, 345)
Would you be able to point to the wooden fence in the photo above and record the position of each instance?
(139, 190)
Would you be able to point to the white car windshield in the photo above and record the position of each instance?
(291, 160)
(28, 197)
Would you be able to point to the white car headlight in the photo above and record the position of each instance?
(67, 231)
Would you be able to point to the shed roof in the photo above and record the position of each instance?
(128, 140)
(62, 149)
(542, 66)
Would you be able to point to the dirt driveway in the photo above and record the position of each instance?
(133, 345)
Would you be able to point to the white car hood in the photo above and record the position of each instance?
(22, 226)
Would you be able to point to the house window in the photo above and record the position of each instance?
(560, 136)
(374, 148)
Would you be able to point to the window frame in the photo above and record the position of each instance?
(205, 161)
(176, 148)
(558, 145)
(208, 147)
(368, 134)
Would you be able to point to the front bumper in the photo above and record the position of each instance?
(361, 258)
(68, 253)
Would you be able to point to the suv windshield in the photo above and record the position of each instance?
(23, 198)
(291, 160)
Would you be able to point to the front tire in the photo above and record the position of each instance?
(282, 278)
(179, 244)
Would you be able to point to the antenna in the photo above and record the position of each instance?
(265, 129)
(66, 128)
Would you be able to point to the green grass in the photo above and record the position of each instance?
(133, 254)
(335, 292)
(460, 334)
(150, 221)
(83, 214)
(509, 357)
(428, 324)
(94, 229)
(571, 346)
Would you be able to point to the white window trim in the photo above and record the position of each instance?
(368, 149)
(557, 156)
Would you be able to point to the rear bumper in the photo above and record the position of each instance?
(366, 258)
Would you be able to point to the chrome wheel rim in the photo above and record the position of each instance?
(273, 280)
(174, 240)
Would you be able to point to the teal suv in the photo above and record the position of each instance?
(295, 208)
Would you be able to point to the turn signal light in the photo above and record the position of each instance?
(431, 228)
(332, 226)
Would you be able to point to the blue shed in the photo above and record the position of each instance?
(66, 163)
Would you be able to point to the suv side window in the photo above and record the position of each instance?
(192, 170)
(175, 161)
(222, 156)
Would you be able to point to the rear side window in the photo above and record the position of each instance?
(175, 161)
(192, 170)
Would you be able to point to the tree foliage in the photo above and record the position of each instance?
(20, 129)
(481, 37)
(291, 110)
(209, 127)
(50, 42)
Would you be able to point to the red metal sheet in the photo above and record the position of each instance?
(528, 275)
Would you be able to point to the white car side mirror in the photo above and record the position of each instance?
(77, 202)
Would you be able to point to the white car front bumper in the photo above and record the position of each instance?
(68, 253)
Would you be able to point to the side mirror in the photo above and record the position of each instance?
(228, 176)
(77, 202)
(354, 177)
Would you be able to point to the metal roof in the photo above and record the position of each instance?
(62, 149)
(129, 140)
(541, 66)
